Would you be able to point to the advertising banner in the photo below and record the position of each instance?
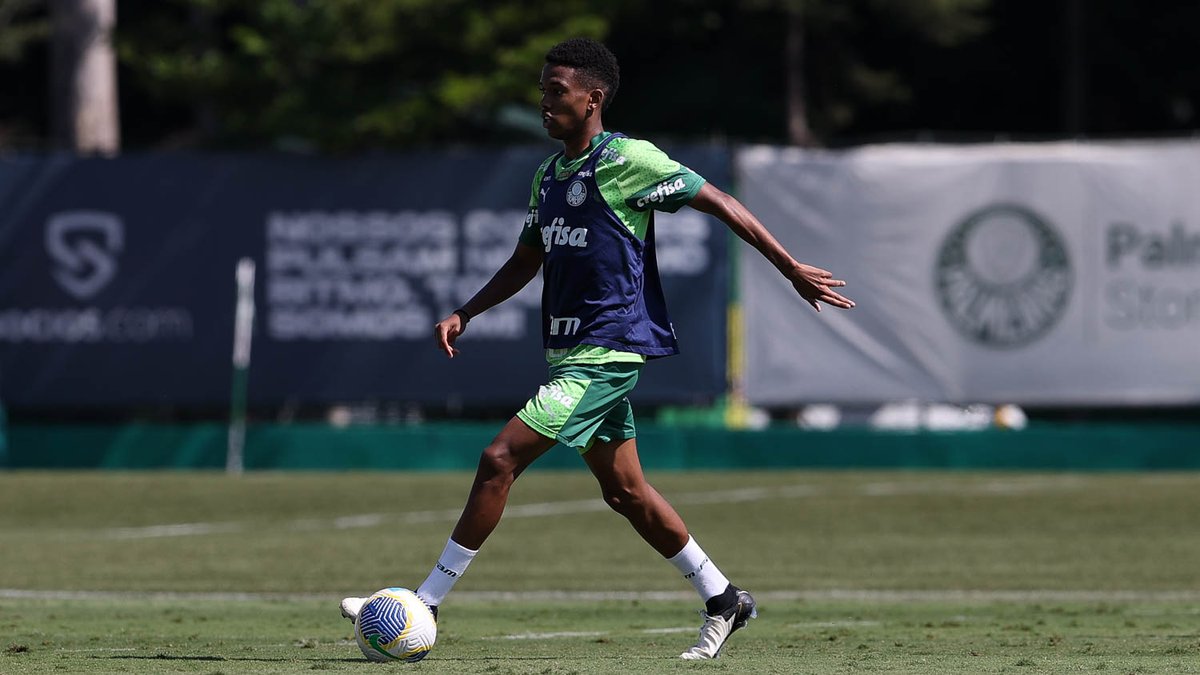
(117, 280)
(1058, 274)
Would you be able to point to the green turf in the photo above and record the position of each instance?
(885, 572)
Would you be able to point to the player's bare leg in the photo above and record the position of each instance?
(726, 607)
(509, 454)
(616, 466)
(502, 461)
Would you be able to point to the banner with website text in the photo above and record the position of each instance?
(1043, 274)
(117, 280)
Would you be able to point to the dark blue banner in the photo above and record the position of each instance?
(117, 280)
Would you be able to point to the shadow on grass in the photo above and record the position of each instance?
(201, 657)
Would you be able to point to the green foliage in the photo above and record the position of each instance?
(22, 23)
(348, 74)
(351, 74)
(943, 22)
(356, 75)
(854, 68)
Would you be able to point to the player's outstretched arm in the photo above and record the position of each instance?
(512, 276)
(812, 283)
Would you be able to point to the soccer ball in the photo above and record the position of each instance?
(395, 625)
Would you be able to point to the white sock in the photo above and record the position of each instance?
(695, 566)
(450, 567)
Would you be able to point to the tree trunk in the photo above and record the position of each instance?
(84, 115)
(798, 130)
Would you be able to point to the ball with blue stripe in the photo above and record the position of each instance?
(395, 625)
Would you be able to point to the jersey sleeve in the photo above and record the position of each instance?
(531, 234)
(649, 179)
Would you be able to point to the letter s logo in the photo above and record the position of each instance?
(84, 244)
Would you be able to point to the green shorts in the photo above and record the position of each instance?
(584, 403)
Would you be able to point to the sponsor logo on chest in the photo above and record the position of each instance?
(558, 233)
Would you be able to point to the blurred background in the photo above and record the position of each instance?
(1008, 188)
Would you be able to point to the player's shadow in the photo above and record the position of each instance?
(314, 660)
(210, 658)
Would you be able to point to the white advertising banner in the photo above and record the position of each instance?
(1041, 274)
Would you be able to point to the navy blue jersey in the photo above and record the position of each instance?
(600, 280)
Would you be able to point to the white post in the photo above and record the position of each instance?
(243, 330)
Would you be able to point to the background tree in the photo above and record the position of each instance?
(84, 113)
(795, 70)
(24, 29)
(826, 29)
(20, 25)
(344, 75)
(360, 75)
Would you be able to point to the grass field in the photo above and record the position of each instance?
(887, 572)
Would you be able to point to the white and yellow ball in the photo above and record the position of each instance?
(394, 625)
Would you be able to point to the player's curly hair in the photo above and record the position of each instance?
(592, 60)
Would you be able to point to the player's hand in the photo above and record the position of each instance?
(446, 332)
(816, 285)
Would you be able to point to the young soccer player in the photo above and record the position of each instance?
(590, 229)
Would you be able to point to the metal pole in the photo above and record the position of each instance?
(243, 331)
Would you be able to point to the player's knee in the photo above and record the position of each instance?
(623, 499)
(497, 463)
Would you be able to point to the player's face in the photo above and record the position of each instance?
(567, 104)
